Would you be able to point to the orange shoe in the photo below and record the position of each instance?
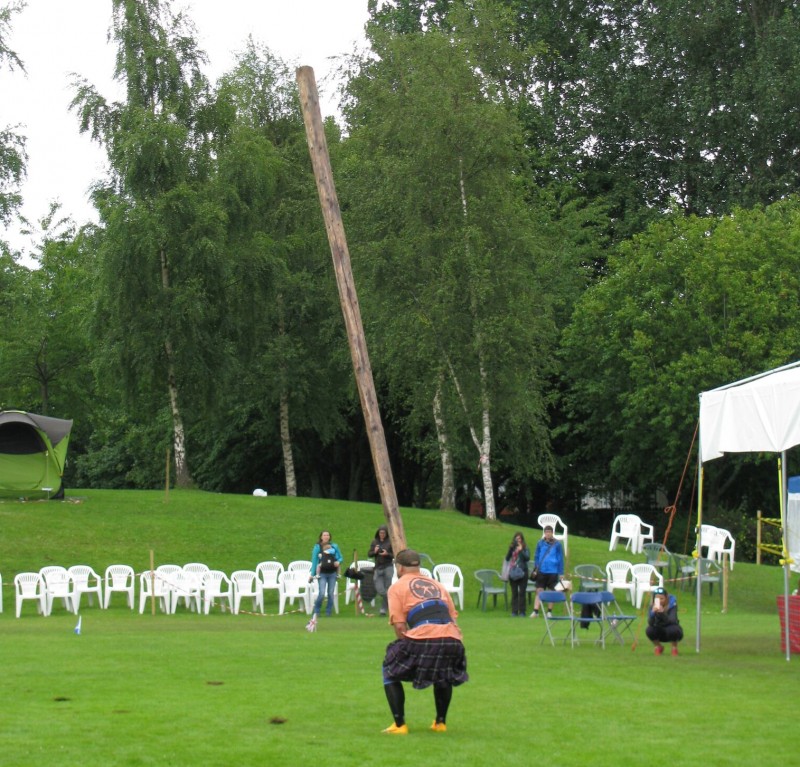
(674, 650)
(659, 650)
(439, 727)
(395, 730)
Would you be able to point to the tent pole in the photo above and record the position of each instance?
(698, 581)
(784, 487)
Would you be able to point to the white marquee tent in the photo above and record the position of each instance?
(759, 414)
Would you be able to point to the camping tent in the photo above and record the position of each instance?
(758, 414)
(33, 450)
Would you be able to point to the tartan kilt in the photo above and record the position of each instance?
(424, 662)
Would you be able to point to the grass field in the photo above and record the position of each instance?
(195, 690)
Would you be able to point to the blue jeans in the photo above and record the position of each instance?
(327, 582)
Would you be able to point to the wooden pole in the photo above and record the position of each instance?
(152, 584)
(725, 570)
(758, 537)
(320, 160)
(166, 484)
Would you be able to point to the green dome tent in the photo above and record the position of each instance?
(33, 450)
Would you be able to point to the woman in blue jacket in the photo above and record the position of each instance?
(325, 561)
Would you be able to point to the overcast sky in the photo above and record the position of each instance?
(55, 38)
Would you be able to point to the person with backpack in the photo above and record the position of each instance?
(325, 561)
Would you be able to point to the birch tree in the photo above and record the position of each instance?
(449, 246)
(162, 271)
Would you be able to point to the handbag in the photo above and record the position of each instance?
(534, 574)
(515, 573)
(504, 571)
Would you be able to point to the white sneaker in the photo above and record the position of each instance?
(549, 614)
(535, 614)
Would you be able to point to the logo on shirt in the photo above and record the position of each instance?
(422, 588)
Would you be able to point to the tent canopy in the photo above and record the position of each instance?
(33, 451)
(759, 414)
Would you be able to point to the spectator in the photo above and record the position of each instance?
(381, 551)
(518, 557)
(662, 621)
(548, 567)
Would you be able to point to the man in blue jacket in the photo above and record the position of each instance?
(548, 565)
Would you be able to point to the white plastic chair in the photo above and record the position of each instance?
(645, 578)
(217, 585)
(453, 581)
(718, 542)
(294, 585)
(303, 565)
(560, 530)
(618, 574)
(85, 581)
(246, 584)
(155, 585)
(119, 578)
(630, 528)
(350, 588)
(172, 575)
(57, 585)
(268, 575)
(30, 586)
(191, 584)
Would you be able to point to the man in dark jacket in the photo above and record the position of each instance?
(381, 551)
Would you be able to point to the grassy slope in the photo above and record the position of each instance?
(138, 687)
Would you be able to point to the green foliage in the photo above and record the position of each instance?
(13, 157)
(452, 257)
(647, 105)
(688, 305)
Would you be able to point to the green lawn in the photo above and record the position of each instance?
(194, 690)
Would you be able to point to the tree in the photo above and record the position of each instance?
(45, 359)
(655, 105)
(163, 272)
(446, 244)
(690, 304)
(286, 327)
(12, 144)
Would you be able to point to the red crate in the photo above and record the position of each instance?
(794, 623)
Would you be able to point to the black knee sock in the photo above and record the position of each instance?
(396, 696)
(441, 697)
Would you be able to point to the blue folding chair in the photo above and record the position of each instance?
(555, 600)
(617, 621)
(586, 618)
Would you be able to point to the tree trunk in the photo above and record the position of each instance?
(484, 445)
(448, 500)
(486, 467)
(182, 476)
(286, 445)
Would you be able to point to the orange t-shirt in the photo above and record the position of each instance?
(413, 589)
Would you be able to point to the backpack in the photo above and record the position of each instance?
(327, 561)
